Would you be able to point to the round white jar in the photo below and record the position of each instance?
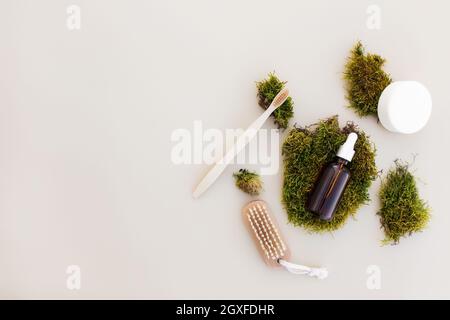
(404, 107)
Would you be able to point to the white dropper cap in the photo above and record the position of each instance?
(346, 151)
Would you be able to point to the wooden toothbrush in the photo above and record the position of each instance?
(240, 144)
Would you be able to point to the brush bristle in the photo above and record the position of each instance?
(266, 233)
(281, 97)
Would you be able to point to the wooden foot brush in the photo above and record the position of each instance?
(270, 243)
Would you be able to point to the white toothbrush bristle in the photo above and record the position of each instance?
(281, 97)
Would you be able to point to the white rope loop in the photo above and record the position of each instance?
(319, 273)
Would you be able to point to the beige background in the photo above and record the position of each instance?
(86, 119)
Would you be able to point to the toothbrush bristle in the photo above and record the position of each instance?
(281, 97)
(265, 232)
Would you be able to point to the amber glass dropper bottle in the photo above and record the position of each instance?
(332, 181)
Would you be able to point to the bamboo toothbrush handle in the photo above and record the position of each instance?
(240, 144)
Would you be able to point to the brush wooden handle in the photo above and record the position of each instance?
(241, 142)
(265, 232)
(234, 150)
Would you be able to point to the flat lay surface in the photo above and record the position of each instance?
(89, 187)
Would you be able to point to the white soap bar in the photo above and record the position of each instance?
(404, 107)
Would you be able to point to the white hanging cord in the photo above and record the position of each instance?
(320, 273)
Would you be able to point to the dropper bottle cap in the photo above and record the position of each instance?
(346, 151)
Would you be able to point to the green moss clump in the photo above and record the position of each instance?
(365, 80)
(402, 211)
(249, 182)
(305, 152)
(267, 90)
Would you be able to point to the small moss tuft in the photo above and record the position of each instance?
(365, 80)
(305, 152)
(249, 182)
(402, 210)
(267, 90)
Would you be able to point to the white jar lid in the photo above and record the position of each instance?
(404, 106)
